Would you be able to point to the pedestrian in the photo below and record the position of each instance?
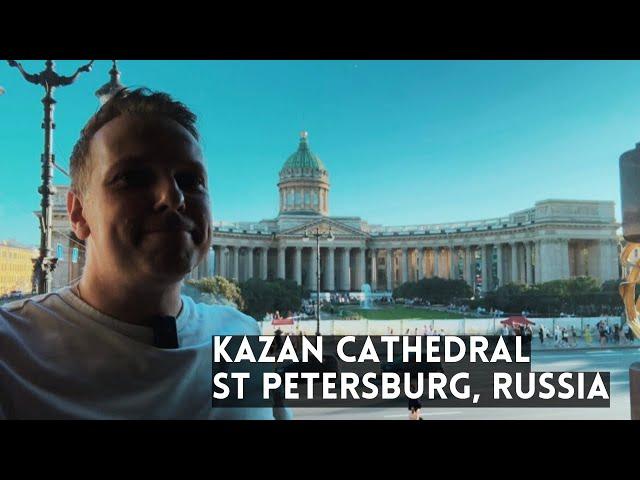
(603, 334)
(587, 335)
(541, 334)
(625, 332)
(415, 405)
(574, 337)
(565, 337)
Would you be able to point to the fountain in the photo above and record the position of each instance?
(366, 301)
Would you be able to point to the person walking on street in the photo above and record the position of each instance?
(415, 405)
(587, 335)
(603, 334)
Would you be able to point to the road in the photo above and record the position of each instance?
(615, 361)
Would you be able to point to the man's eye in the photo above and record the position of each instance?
(190, 181)
(133, 178)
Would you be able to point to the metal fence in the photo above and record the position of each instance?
(416, 326)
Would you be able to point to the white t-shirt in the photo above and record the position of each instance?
(62, 359)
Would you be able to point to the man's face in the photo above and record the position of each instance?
(146, 203)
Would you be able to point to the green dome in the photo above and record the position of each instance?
(304, 157)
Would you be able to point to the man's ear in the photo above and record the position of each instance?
(76, 215)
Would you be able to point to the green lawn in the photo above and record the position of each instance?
(399, 312)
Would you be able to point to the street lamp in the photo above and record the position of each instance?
(50, 80)
(318, 235)
(106, 91)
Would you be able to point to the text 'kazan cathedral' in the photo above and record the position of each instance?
(556, 239)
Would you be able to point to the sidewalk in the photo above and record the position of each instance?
(550, 346)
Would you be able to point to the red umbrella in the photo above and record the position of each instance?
(517, 320)
(282, 321)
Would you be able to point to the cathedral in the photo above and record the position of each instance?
(554, 239)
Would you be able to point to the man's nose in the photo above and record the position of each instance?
(169, 195)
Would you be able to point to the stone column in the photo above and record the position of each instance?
(224, 261)
(216, 255)
(436, 261)
(514, 262)
(374, 269)
(420, 263)
(282, 266)
(484, 265)
(452, 262)
(389, 259)
(362, 268)
(466, 273)
(609, 260)
(331, 284)
(297, 266)
(538, 265)
(346, 274)
(593, 260)
(499, 270)
(313, 269)
(564, 258)
(404, 266)
(472, 268)
(527, 249)
(236, 254)
(249, 263)
(264, 255)
(324, 268)
(546, 263)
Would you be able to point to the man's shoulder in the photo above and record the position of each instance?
(226, 320)
(35, 306)
(17, 305)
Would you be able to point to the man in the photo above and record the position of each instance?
(123, 343)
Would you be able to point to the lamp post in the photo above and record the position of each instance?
(49, 80)
(318, 235)
(106, 91)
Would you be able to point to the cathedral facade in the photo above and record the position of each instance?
(554, 239)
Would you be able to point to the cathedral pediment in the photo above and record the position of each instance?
(324, 225)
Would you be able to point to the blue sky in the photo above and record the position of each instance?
(405, 142)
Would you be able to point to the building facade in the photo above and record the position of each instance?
(65, 246)
(554, 239)
(16, 268)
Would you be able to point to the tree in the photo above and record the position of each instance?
(611, 286)
(262, 297)
(579, 296)
(434, 290)
(215, 291)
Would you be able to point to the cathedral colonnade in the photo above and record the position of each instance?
(347, 267)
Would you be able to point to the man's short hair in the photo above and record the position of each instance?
(140, 101)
